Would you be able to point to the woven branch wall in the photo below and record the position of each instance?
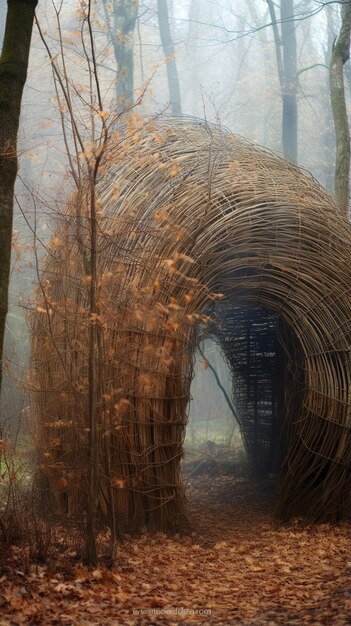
(189, 212)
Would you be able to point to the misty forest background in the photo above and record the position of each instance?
(276, 72)
(233, 63)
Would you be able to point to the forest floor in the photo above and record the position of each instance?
(237, 568)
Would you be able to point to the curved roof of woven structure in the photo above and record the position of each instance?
(190, 212)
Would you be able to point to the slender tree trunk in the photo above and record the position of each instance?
(169, 52)
(340, 54)
(93, 471)
(286, 57)
(192, 52)
(121, 34)
(3, 10)
(289, 86)
(328, 133)
(125, 13)
(13, 74)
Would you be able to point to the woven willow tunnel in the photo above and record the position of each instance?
(200, 233)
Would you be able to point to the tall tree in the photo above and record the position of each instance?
(328, 146)
(286, 56)
(2, 20)
(289, 84)
(193, 52)
(340, 54)
(169, 52)
(121, 33)
(13, 74)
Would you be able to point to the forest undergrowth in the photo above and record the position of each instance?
(237, 567)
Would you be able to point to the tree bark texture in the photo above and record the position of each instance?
(125, 13)
(93, 467)
(340, 54)
(289, 79)
(13, 74)
(3, 10)
(169, 52)
(286, 57)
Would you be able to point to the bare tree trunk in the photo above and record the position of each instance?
(169, 52)
(13, 74)
(328, 133)
(94, 326)
(2, 20)
(93, 468)
(121, 35)
(340, 54)
(192, 52)
(286, 56)
(289, 86)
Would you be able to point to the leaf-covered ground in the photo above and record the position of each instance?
(237, 568)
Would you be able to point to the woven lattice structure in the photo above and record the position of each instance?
(188, 212)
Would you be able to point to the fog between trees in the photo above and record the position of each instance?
(215, 60)
(260, 69)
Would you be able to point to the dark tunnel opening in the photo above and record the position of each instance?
(267, 376)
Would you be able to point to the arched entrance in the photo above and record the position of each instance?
(204, 224)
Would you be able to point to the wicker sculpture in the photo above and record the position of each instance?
(200, 232)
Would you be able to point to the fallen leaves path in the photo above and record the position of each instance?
(238, 568)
